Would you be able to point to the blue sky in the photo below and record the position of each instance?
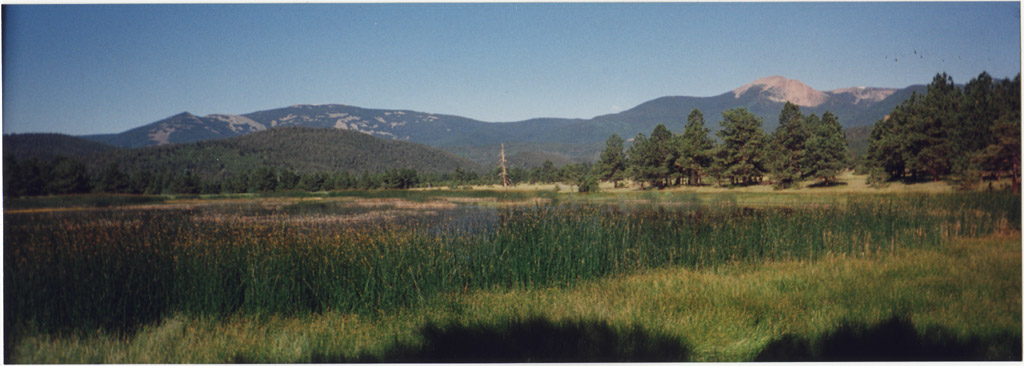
(83, 69)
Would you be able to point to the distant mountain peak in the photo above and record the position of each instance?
(779, 89)
(861, 93)
(237, 123)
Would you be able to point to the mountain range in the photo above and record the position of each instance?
(551, 138)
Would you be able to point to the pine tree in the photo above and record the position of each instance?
(978, 112)
(887, 146)
(787, 145)
(648, 158)
(660, 149)
(637, 156)
(694, 149)
(826, 150)
(929, 129)
(741, 156)
(1004, 156)
(948, 130)
(548, 172)
(612, 166)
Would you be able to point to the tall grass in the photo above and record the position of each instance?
(729, 313)
(119, 269)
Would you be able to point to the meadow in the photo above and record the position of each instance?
(513, 276)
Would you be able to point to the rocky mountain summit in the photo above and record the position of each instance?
(779, 89)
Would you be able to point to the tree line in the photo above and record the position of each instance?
(962, 134)
(34, 177)
(63, 175)
(801, 148)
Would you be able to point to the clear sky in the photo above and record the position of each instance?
(83, 69)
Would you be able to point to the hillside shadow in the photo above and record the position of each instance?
(530, 340)
(895, 339)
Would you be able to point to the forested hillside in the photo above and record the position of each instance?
(302, 150)
(48, 146)
(265, 161)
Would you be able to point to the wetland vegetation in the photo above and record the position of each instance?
(400, 275)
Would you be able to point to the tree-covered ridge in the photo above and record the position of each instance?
(965, 134)
(303, 150)
(283, 158)
(49, 146)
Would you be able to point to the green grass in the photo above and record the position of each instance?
(970, 287)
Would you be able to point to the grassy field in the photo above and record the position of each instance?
(847, 183)
(728, 275)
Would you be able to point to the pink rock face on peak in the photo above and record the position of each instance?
(780, 89)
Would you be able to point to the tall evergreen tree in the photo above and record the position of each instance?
(661, 146)
(741, 156)
(914, 139)
(1004, 156)
(612, 166)
(636, 158)
(979, 110)
(929, 128)
(695, 148)
(787, 146)
(648, 157)
(826, 151)
(888, 146)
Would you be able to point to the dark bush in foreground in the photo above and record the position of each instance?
(534, 340)
(895, 339)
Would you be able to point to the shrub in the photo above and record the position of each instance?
(588, 184)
